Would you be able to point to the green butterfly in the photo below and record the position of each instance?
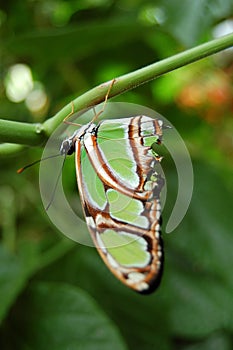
(120, 194)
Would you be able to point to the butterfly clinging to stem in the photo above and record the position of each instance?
(120, 190)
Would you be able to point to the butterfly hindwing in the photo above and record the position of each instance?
(120, 194)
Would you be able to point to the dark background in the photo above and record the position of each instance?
(57, 294)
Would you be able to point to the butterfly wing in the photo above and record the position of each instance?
(120, 190)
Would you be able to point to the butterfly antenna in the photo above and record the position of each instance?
(19, 171)
(56, 184)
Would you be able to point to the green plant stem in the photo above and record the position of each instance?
(34, 134)
(21, 133)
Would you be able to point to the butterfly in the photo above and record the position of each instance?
(120, 190)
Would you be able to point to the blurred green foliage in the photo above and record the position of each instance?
(56, 294)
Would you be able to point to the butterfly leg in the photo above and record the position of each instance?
(69, 115)
(96, 115)
(105, 101)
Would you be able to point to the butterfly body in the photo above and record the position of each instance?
(120, 194)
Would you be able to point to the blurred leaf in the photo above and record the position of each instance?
(59, 316)
(201, 277)
(141, 319)
(214, 342)
(77, 42)
(189, 20)
(14, 273)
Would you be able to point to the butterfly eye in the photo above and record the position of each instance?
(70, 150)
(67, 147)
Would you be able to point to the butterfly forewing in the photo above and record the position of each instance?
(120, 192)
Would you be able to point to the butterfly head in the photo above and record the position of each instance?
(68, 145)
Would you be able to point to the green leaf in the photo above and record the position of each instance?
(201, 260)
(214, 342)
(59, 316)
(77, 42)
(141, 319)
(14, 273)
(189, 20)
